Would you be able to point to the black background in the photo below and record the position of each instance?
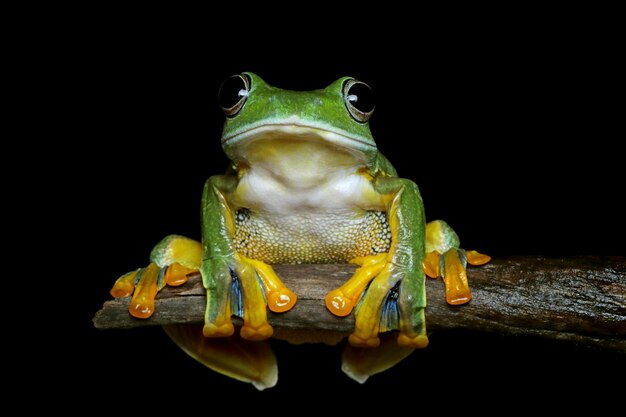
(511, 135)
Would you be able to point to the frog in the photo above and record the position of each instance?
(307, 184)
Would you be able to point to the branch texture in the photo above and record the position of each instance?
(581, 299)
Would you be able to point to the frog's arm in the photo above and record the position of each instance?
(217, 252)
(235, 284)
(175, 257)
(444, 257)
(407, 222)
(395, 298)
(392, 283)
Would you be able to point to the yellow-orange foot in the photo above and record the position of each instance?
(475, 258)
(172, 260)
(223, 330)
(178, 274)
(338, 303)
(281, 301)
(378, 310)
(451, 265)
(125, 285)
(262, 332)
(144, 284)
(261, 288)
(279, 298)
(242, 287)
(417, 342)
(342, 300)
(364, 342)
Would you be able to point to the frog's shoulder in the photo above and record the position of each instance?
(382, 165)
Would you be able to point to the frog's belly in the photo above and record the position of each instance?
(311, 237)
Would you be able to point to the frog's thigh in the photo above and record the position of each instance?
(252, 362)
(361, 363)
(175, 249)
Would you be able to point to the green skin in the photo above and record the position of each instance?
(306, 184)
(316, 111)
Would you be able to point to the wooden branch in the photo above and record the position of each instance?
(581, 299)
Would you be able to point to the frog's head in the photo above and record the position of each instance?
(336, 116)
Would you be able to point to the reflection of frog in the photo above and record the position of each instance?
(306, 185)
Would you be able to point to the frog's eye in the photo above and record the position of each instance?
(359, 99)
(233, 94)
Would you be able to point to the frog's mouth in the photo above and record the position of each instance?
(292, 133)
(297, 155)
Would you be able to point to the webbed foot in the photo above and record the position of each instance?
(244, 287)
(445, 259)
(342, 301)
(171, 261)
(248, 287)
(385, 297)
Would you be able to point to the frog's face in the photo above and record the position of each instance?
(334, 117)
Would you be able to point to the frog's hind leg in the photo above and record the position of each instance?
(444, 258)
(252, 362)
(171, 261)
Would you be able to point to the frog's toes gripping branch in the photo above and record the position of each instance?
(374, 291)
(342, 301)
(170, 262)
(242, 287)
(444, 258)
(386, 296)
(387, 291)
(235, 285)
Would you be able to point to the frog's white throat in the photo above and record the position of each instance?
(294, 167)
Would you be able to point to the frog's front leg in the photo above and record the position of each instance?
(171, 260)
(235, 284)
(396, 296)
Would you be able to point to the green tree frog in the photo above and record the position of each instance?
(307, 184)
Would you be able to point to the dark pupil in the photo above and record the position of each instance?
(229, 91)
(364, 97)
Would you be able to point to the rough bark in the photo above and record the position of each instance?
(581, 299)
